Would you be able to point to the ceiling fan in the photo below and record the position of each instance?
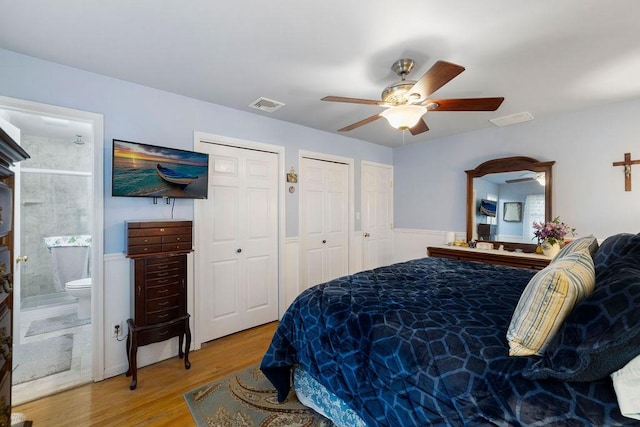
(530, 176)
(407, 100)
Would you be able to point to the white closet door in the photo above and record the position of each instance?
(377, 215)
(238, 264)
(324, 221)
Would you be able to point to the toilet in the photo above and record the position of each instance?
(71, 268)
(81, 288)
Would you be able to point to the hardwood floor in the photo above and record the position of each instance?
(157, 401)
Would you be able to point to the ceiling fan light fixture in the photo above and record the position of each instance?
(404, 117)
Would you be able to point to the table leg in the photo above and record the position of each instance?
(187, 345)
(133, 355)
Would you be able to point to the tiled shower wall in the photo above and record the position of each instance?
(52, 204)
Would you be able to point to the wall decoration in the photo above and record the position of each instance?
(292, 176)
(627, 163)
(512, 212)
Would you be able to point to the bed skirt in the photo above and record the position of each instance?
(314, 395)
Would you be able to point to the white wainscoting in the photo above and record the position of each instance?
(291, 277)
(412, 243)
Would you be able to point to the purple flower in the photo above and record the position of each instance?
(552, 231)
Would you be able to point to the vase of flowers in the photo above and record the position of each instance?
(551, 235)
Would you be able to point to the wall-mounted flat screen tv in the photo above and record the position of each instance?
(488, 207)
(143, 170)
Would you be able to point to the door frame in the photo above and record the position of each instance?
(97, 228)
(193, 294)
(350, 197)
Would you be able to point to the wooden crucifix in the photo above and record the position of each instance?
(627, 169)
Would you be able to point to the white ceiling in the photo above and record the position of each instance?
(545, 57)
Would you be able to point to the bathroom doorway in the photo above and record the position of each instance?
(55, 221)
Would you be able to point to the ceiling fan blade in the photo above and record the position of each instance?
(465, 104)
(353, 100)
(419, 127)
(360, 123)
(436, 77)
(513, 181)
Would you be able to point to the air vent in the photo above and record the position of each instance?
(268, 105)
(512, 119)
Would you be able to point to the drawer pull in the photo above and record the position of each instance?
(164, 273)
(163, 315)
(163, 303)
(163, 333)
(178, 239)
(162, 230)
(163, 281)
(163, 291)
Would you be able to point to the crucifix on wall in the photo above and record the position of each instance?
(627, 169)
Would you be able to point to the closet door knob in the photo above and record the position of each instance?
(324, 241)
(238, 250)
(23, 258)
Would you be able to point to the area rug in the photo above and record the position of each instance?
(55, 324)
(42, 358)
(247, 398)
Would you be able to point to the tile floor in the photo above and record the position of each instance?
(80, 371)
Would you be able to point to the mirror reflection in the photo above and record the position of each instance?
(505, 197)
(507, 204)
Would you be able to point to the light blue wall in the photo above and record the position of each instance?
(588, 192)
(430, 182)
(138, 113)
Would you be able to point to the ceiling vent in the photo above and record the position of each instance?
(512, 119)
(268, 105)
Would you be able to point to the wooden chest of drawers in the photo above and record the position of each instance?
(159, 286)
(151, 237)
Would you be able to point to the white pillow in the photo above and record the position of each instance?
(626, 383)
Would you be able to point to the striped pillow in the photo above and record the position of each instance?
(547, 300)
(589, 243)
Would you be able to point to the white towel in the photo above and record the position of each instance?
(626, 383)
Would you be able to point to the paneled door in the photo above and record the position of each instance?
(237, 267)
(324, 221)
(377, 214)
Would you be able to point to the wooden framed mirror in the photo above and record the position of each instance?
(508, 180)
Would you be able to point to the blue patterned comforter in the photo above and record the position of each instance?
(423, 343)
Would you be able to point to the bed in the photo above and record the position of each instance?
(424, 343)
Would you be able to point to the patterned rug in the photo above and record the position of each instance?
(247, 398)
(29, 361)
(55, 324)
